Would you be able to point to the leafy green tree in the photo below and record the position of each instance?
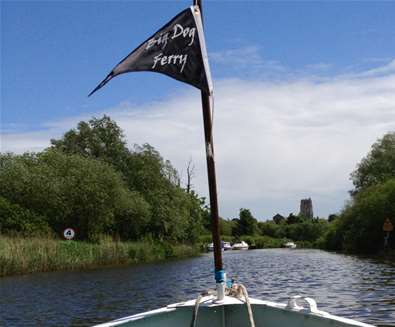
(306, 230)
(154, 178)
(361, 222)
(293, 219)
(99, 138)
(29, 183)
(246, 224)
(147, 172)
(269, 228)
(278, 219)
(358, 228)
(332, 239)
(378, 166)
(132, 214)
(16, 219)
(91, 181)
(69, 191)
(174, 215)
(225, 227)
(332, 217)
(195, 217)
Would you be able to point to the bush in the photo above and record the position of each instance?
(269, 228)
(359, 227)
(262, 242)
(332, 239)
(71, 191)
(89, 180)
(16, 219)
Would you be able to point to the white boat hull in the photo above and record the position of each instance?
(232, 312)
(240, 246)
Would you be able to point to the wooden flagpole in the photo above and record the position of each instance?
(208, 134)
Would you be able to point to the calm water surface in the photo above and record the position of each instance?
(359, 288)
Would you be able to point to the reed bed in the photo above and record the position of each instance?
(20, 255)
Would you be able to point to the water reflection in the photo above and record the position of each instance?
(359, 288)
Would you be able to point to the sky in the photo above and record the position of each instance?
(302, 90)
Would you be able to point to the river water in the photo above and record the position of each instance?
(354, 287)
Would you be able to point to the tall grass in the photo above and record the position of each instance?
(28, 255)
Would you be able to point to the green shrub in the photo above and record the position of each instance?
(359, 227)
(15, 219)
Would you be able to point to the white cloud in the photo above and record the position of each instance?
(383, 70)
(275, 142)
(238, 56)
(246, 60)
(22, 142)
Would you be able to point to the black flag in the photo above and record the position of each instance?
(177, 50)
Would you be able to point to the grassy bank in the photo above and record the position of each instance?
(28, 255)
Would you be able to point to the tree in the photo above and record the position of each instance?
(269, 228)
(333, 237)
(378, 166)
(246, 224)
(278, 219)
(146, 174)
(292, 219)
(90, 172)
(69, 190)
(190, 174)
(362, 220)
(225, 227)
(358, 228)
(99, 138)
(132, 215)
(16, 219)
(306, 230)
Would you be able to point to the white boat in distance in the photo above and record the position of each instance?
(290, 245)
(240, 246)
(225, 246)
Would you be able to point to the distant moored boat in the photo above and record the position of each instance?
(290, 245)
(240, 246)
(224, 246)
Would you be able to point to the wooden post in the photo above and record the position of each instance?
(208, 134)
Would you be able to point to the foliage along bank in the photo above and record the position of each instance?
(273, 233)
(89, 180)
(359, 226)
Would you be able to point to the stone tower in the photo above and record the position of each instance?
(306, 208)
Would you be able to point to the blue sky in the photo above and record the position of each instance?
(320, 58)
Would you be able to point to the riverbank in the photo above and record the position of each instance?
(29, 255)
(254, 242)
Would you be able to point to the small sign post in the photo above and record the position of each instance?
(68, 233)
(387, 229)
